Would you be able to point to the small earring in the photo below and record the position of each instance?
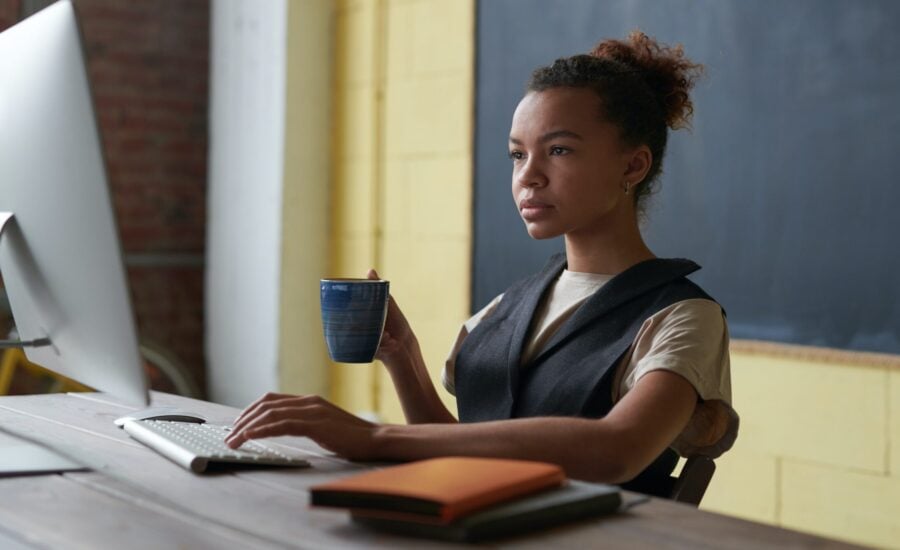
(627, 187)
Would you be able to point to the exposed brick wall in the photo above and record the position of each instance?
(149, 63)
(9, 13)
(149, 67)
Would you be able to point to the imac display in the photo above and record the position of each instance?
(60, 257)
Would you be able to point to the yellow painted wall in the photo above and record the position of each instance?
(402, 167)
(356, 137)
(305, 199)
(819, 448)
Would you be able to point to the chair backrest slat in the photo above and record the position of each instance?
(691, 485)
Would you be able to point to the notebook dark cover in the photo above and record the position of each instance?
(574, 501)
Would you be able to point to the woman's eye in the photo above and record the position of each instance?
(558, 150)
(516, 155)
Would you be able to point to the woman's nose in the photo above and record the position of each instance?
(531, 174)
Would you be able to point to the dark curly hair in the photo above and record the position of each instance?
(643, 89)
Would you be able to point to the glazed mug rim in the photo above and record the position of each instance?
(352, 280)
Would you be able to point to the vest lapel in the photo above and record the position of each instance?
(551, 271)
(621, 289)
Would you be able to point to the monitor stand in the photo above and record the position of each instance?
(6, 220)
(18, 455)
(39, 342)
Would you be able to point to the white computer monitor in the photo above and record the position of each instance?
(60, 257)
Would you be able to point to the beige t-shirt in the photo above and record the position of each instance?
(689, 338)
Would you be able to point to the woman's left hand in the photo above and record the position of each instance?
(310, 416)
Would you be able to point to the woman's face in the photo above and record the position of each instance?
(569, 166)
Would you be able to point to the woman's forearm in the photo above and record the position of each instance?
(612, 449)
(418, 396)
(585, 448)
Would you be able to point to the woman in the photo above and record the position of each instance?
(607, 362)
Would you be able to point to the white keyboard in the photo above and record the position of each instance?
(195, 446)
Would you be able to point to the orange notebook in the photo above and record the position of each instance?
(438, 489)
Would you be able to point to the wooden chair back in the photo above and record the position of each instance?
(690, 486)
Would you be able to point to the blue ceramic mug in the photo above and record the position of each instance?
(353, 315)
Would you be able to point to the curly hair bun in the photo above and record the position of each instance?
(666, 70)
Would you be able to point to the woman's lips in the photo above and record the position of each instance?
(533, 210)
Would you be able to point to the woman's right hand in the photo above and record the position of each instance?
(397, 339)
(399, 351)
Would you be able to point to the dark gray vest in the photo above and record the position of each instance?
(573, 375)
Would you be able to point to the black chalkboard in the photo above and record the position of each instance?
(787, 190)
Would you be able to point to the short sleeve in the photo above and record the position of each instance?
(690, 338)
(449, 371)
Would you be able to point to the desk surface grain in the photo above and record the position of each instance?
(133, 497)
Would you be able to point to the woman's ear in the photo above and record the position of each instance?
(639, 161)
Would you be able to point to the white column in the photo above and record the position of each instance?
(244, 229)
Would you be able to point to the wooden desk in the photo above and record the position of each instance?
(135, 498)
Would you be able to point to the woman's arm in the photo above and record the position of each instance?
(400, 352)
(418, 396)
(612, 449)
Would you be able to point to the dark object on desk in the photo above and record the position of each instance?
(575, 501)
(690, 486)
(161, 413)
(438, 490)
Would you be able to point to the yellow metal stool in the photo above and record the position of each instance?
(14, 359)
(156, 358)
